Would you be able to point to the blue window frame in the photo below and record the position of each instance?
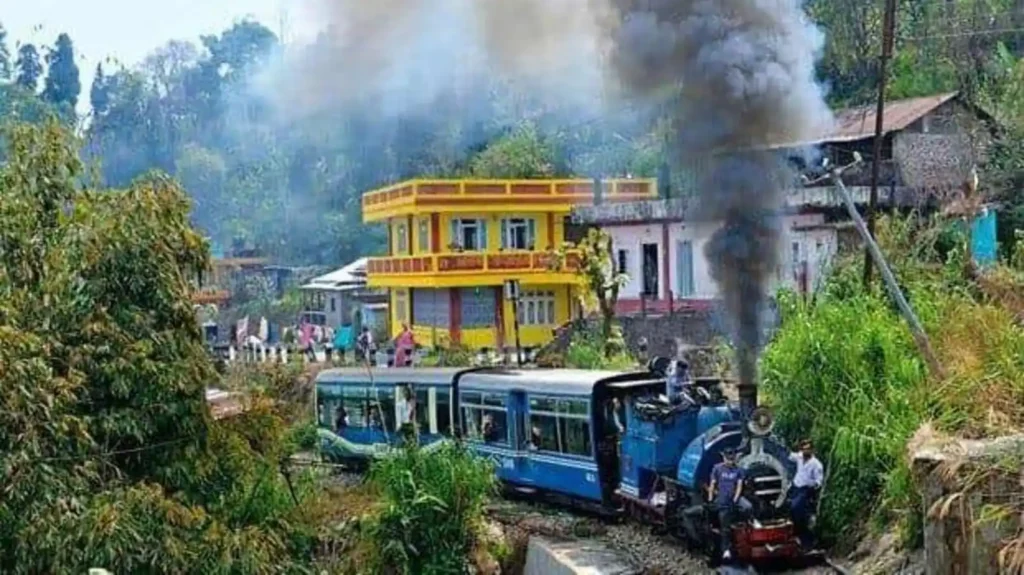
(561, 425)
(485, 416)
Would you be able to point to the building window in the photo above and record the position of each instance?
(402, 239)
(430, 307)
(684, 269)
(478, 307)
(484, 416)
(518, 233)
(537, 308)
(334, 304)
(470, 235)
(561, 425)
(622, 262)
(424, 235)
(401, 305)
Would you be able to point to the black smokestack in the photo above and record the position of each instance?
(742, 77)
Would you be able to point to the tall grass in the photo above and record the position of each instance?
(844, 371)
(430, 511)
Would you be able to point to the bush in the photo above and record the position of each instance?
(844, 371)
(431, 509)
(587, 351)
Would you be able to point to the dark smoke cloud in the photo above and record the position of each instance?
(745, 76)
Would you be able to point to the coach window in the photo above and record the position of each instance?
(355, 402)
(444, 417)
(384, 399)
(422, 410)
(481, 409)
(561, 425)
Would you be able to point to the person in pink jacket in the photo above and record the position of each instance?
(405, 343)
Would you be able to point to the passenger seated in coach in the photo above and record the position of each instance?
(534, 443)
(490, 431)
(340, 418)
(375, 420)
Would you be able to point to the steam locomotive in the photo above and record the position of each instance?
(606, 440)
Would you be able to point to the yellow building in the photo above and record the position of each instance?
(453, 243)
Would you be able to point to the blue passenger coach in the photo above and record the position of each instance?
(359, 410)
(547, 429)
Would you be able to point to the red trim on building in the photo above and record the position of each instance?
(551, 231)
(634, 306)
(455, 309)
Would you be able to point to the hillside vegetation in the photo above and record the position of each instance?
(844, 371)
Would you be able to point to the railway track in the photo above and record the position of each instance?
(649, 552)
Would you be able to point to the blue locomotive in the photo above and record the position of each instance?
(607, 440)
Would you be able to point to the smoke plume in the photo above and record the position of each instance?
(745, 76)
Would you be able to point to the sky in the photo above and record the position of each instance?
(128, 30)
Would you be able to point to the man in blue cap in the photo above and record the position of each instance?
(725, 490)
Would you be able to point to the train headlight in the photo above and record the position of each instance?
(761, 421)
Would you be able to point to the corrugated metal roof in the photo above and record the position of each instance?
(353, 275)
(858, 123)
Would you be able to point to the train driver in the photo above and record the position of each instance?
(806, 484)
(725, 491)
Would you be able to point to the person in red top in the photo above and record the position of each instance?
(405, 343)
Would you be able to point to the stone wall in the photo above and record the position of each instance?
(690, 334)
(960, 481)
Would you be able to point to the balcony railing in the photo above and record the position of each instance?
(450, 263)
(569, 191)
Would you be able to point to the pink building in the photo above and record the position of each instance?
(926, 150)
(663, 253)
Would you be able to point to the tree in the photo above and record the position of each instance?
(63, 85)
(521, 154)
(99, 92)
(601, 282)
(28, 68)
(5, 56)
(110, 455)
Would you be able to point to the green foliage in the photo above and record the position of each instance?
(62, 86)
(5, 56)
(431, 509)
(601, 282)
(28, 68)
(588, 350)
(844, 371)
(522, 154)
(110, 455)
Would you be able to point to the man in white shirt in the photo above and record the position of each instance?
(804, 493)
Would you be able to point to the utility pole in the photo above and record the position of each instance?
(888, 31)
(920, 337)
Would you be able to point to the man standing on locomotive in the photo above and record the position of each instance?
(725, 491)
(806, 484)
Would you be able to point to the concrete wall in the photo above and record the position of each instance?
(547, 557)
